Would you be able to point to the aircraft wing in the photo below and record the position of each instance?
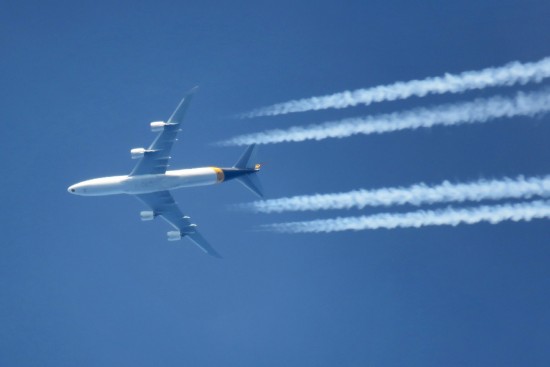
(155, 159)
(162, 203)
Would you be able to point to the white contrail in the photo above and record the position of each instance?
(509, 74)
(477, 111)
(492, 214)
(524, 188)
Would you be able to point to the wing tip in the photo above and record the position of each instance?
(201, 242)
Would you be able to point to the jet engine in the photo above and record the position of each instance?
(147, 215)
(157, 126)
(174, 235)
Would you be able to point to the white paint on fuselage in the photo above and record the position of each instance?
(143, 184)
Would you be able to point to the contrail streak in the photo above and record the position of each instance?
(418, 194)
(509, 74)
(477, 111)
(492, 214)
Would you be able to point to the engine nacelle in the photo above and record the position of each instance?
(137, 153)
(157, 126)
(147, 215)
(174, 235)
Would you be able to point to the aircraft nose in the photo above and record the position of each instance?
(71, 189)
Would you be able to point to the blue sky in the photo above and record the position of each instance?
(84, 282)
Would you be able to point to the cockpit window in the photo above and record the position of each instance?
(72, 190)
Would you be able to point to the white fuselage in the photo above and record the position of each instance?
(143, 184)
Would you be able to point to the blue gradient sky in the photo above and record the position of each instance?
(84, 282)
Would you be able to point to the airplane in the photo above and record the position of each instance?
(151, 182)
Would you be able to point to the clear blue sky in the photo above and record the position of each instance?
(83, 282)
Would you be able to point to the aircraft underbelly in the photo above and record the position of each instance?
(193, 177)
(171, 180)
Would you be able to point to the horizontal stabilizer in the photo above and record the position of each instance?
(247, 159)
(252, 183)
